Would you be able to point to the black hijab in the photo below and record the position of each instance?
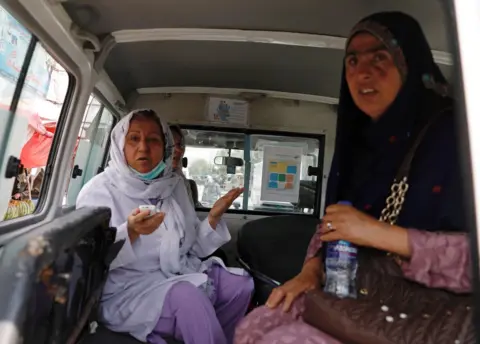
(368, 154)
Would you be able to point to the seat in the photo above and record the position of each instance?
(273, 250)
(105, 336)
(194, 188)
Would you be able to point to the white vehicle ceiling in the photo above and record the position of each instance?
(228, 46)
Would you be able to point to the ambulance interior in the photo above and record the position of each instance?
(72, 68)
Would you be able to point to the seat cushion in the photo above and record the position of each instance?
(276, 247)
(105, 336)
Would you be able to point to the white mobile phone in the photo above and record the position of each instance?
(149, 207)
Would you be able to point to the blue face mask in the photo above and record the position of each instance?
(152, 174)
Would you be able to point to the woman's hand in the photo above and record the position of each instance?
(310, 278)
(350, 224)
(344, 222)
(141, 223)
(221, 206)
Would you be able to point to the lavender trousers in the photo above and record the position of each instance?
(190, 316)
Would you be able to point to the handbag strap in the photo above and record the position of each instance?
(399, 188)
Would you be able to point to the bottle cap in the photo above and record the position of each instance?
(345, 202)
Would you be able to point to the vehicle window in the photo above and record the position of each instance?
(31, 104)
(211, 177)
(283, 188)
(91, 148)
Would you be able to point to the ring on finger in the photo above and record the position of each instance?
(329, 225)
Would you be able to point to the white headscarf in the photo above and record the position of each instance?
(121, 175)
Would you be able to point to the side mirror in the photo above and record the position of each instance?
(184, 162)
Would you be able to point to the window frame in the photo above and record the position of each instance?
(41, 210)
(21, 81)
(104, 105)
(252, 131)
(53, 155)
(116, 118)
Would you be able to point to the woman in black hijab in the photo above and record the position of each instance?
(391, 88)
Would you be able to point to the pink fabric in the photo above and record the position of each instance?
(266, 326)
(262, 320)
(439, 260)
(297, 332)
(315, 244)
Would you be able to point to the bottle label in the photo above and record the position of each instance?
(341, 249)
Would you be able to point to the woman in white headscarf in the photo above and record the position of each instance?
(157, 285)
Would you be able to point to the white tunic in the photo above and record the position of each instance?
(134, 293)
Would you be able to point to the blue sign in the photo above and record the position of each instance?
(14, 41)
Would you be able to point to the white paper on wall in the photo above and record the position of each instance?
(281, 173)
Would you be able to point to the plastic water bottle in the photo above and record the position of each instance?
(341, 267)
